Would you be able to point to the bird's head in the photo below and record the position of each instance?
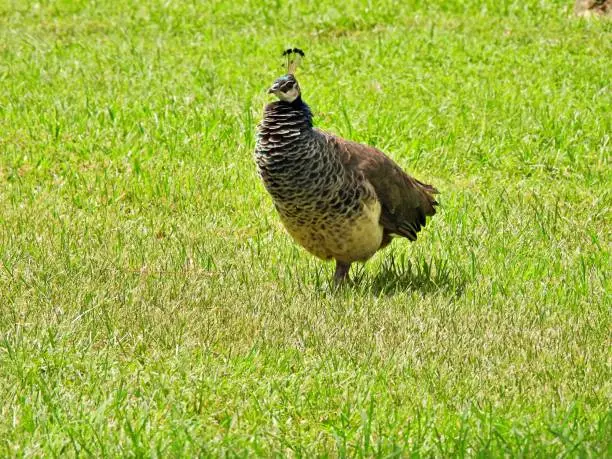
(285, 88)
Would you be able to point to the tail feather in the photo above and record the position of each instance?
(428, 192)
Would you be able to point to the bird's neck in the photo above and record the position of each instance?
(285, 128)
(295, 114)
(299, 104)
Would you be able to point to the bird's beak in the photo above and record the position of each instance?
(273, 89)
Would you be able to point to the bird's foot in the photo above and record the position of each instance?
(341, 276)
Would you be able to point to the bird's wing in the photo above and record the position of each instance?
(405, 201)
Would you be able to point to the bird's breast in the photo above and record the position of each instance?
(344, 237)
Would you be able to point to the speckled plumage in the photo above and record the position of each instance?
(336, 198)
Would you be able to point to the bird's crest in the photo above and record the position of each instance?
(294, 57)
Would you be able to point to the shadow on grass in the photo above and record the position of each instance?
(398, 274)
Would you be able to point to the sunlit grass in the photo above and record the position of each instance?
(151, 302)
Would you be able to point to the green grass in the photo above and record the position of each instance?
(152, 304)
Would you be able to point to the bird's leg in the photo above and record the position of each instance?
(341, 274)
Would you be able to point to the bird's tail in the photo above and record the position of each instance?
(429, 192)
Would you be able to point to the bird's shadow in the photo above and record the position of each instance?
(398, 274)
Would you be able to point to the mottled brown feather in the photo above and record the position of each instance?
(405, 201)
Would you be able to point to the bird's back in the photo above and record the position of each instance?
(405, 201)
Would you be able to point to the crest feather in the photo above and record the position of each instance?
(294, 57)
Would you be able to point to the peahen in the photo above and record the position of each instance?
(339, 199)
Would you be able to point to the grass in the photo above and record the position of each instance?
(151, 303)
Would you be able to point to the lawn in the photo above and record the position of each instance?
(151, 303)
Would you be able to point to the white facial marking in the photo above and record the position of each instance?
(290, 95)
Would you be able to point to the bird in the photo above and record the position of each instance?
(339, 199)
